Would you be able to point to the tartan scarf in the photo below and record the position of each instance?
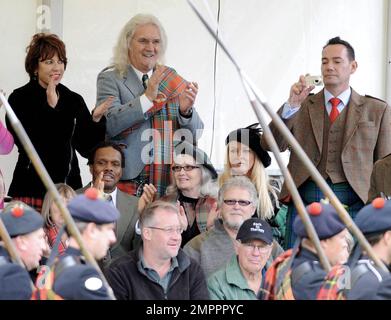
(52, 233)
(278, 278)
(164, 120)
(329, 289)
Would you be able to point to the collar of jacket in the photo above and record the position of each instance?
(182, 259)
(234, 274)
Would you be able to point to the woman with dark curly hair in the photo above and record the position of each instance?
(55, 118)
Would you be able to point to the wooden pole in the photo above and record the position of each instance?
(47, 181)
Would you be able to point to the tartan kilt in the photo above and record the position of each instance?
(35, 203)
(310, 192)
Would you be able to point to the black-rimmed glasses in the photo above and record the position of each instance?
(186, 168)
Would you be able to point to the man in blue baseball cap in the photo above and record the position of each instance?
(24, 226)
(299, 270)
(374, 221)
(96, 220)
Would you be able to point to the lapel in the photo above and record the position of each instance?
(353, 116)
(126, 213)
(316, 111)
(133, 83)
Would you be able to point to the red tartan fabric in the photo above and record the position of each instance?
(133, 187)
(128, 187)
(164, 120)
(52, 233)
(330, 289)
(272, 275)
(35, 203)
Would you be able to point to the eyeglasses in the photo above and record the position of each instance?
(261, 248)
(186, 168)
(242, 203)
(169, 230)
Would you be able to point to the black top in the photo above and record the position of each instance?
(52, 131)
(130, 282)
(192, 230)
(307, 275)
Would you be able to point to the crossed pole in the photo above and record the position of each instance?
(256, 97)
(47, 181)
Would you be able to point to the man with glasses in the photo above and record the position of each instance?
(242, 277)
(159, 269)
(237, 202)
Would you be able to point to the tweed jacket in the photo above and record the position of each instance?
(380, 179)
(366, 139)
(126, 112)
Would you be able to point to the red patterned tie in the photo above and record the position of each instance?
(334, 110)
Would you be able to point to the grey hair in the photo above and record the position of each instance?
(239, 182)
(121, 49)
(209, 186)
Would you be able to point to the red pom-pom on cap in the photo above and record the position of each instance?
(92, 193)
(315, 209)
(17, 212)
(378, 203)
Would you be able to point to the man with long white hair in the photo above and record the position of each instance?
(151, 103)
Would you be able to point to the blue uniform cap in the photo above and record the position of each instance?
(20, 219)
(374, 217)
(325, 219)
(90, 207)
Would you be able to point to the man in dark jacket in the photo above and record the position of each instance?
(374, 221)
(159, 269)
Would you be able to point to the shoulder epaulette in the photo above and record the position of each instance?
(368, 96)
(64, 263)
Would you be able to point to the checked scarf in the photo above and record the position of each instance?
(52, 233)
(278, 278)
(164, 121)
(330, 289)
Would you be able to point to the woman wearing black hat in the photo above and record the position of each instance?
(194, 185)
(246, 157)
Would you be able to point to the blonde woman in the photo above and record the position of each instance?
(52, 215)
(246, 157)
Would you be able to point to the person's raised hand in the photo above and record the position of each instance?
(299, 92)
(100, 110)
(188, 97)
